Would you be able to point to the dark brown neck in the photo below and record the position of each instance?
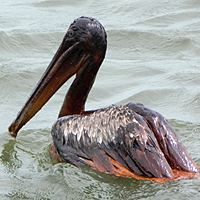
(75, 99)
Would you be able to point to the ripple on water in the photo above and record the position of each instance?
(153, 58)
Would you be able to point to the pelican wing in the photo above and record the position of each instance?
(174, 151)
(114, 140)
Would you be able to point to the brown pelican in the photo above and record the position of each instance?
(125, 140)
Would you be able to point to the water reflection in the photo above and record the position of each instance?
(9, 157)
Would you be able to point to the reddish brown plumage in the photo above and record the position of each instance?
(119, 170)
(126, 140)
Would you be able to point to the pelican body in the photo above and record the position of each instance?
(125, 140)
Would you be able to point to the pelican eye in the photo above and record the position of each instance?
(71, 33)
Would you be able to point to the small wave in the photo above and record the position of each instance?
(25, 44)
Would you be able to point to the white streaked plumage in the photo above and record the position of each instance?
(102, 126)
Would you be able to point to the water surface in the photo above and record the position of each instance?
(152, 58)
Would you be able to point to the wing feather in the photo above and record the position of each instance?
(109, 139)
(174, 151)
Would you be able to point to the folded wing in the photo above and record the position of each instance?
(128, 140)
